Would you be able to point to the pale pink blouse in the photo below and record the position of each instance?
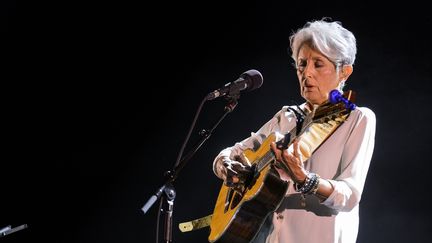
(344, 159)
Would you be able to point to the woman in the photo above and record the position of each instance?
(321, 203)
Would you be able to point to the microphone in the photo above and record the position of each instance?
(336, 97)
(248, 81)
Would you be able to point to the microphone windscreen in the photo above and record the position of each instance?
(253, 78)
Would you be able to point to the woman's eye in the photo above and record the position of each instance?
(318, 64)
(301, 66)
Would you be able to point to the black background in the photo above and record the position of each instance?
(98, 98)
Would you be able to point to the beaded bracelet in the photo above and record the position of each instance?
(315, 187)
(310, 185)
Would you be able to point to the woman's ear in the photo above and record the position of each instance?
(346, 71)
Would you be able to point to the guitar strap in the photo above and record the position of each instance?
(195, 224)
(309, 141)
(317, 134)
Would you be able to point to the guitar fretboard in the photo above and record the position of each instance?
(265, 160)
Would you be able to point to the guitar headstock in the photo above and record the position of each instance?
(335, 107)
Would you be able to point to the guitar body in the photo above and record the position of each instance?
(237, 217)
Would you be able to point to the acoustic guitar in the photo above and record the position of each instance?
(239, 213)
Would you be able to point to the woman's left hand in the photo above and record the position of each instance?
(291, 160)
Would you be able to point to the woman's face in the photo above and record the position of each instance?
(317, 75)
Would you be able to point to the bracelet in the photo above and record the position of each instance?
(315, 187)
(310, 185)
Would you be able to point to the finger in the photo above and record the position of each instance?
(241, 170)
(245, 171)
(238, 167)
(296, 149)
(286, 156)
(276, 151)
(236, 164)
(274, 148)
(235, 179)
(232, 165)
(287, 160)
(231, 181)
(231, 171)
(223, 171)
(228, 181)
(294, 157)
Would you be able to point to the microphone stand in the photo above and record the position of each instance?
(167, 191)
(9, 230)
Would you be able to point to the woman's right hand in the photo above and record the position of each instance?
(235, 173)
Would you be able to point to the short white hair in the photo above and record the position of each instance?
(331, 39)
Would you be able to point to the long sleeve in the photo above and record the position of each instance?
(355, 162)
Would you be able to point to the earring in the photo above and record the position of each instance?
(341, 84)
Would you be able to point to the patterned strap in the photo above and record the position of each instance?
(317, 134)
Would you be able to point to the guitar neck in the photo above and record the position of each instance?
(266, 159)
(321, 114)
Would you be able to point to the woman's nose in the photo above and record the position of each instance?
(307, 72)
